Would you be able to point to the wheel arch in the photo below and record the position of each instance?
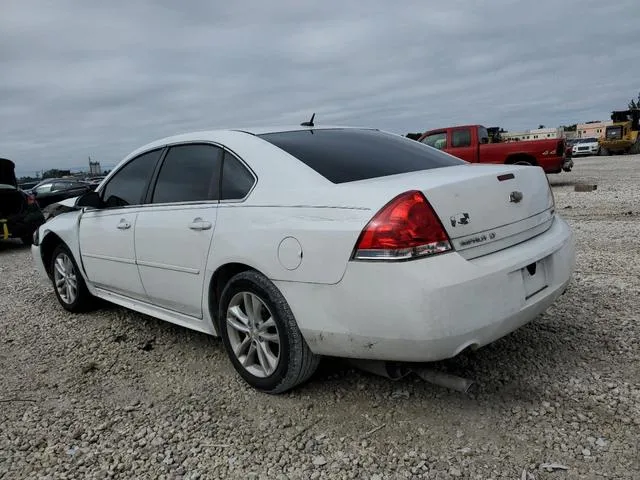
(520, 157)
(219, 280)
(47, 246)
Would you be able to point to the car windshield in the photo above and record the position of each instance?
(349, 155)
(588, 140)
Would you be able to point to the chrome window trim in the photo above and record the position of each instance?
(224, 148)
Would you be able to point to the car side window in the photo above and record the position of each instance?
(236, 179)
(128, 185)
(461, 138)
(189, 173)
(45, 188)
(60, 186)
(436, 140)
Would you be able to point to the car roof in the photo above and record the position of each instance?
(62, 180)
(218, 134)
(246, 144)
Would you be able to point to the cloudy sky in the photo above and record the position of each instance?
(84, 77)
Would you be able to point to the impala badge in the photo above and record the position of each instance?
(515, 197)
(459, 219)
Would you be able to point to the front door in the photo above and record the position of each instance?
(174, 232)
(107, 246)
(108, 251)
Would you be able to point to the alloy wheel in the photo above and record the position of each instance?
(64, 276)
(253, 334)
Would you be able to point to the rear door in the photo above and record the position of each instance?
(460, 144)
(173, 233)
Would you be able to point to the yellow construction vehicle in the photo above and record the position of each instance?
(622, 136)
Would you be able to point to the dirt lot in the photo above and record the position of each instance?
(115, 394)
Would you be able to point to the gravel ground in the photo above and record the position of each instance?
(115, 394)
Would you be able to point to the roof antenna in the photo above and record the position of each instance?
(309, 123)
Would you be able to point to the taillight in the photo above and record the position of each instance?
(551, 199)
(405, 228)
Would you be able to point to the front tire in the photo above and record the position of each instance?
(68, 283)
(261, 335)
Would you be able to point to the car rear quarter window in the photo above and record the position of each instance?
(128, 185)
(189, 173)
(348, 155)
(237, 180)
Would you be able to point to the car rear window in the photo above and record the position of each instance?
(348, 155)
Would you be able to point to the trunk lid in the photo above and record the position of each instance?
(8, 173)
(483, 208)
(493, 210)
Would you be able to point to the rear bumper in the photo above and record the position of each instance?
(434, 308)
(568, 164)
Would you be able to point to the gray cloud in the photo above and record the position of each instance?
(82, 78)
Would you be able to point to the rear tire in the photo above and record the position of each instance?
(520, 159)
(68, 283)
(261, 336)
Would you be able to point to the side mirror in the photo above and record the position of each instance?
(90, 199)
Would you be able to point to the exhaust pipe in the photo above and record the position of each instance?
(396, 371)
(381, 368)
(452, 382)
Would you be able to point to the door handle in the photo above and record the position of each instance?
(123, 225)
(199, 224)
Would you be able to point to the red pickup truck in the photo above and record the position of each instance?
(471, 143)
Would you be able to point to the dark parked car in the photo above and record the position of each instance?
(27, 185)
(20, 214)
(54, 190)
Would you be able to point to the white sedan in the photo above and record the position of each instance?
(295, 243)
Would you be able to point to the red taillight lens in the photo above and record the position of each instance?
(405, 228)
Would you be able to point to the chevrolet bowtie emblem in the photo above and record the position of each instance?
(515, 197)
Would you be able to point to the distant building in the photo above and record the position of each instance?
(595, 129)
(570, 135)
(534, 134)
(94, 169)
